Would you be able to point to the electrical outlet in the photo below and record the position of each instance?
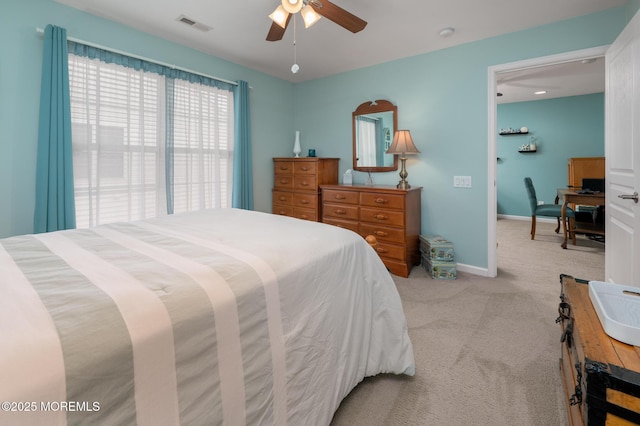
(462, 181)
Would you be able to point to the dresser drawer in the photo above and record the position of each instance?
(390, 251)
(305, 182)
(387, 217)
(346, 224)
(283, 197)
(282, 210)
(305, 168)
(337, 196)
(283, 181)
(306, 214)
(283, 167)
(309, 201)
(382, 233)
(340, 211)
(387, 201)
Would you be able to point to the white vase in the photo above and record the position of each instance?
(296, 146)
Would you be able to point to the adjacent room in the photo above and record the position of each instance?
(314, 212)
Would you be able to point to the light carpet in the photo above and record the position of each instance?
(487, 349)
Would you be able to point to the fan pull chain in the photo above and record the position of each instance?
(295, 68)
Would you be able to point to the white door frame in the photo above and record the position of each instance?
(493, 71)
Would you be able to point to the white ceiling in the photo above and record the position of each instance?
(395, 30)
(574, 78)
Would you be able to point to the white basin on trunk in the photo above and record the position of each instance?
(618, 308)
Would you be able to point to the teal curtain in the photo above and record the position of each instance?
(109, 57)
(379, 142)
(55, 205)
(242, 192)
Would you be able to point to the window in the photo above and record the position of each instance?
(366, 134)
(145, 145)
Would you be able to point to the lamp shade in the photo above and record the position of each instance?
(309, 16)
(279, 16)
(292, 6)
(402, 143)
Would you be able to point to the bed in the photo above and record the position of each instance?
(215, 317)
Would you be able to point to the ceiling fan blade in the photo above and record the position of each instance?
(276, 32)
(340, 16)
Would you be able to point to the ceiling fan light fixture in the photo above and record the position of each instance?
(309, 16)
(292, 6)
(279, 16)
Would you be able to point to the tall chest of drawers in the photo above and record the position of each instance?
(296, 185)
(392, 215)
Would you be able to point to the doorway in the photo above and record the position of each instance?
(493, 73)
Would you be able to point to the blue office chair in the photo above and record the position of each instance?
(548, 210)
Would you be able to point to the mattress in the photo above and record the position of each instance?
(222, 316)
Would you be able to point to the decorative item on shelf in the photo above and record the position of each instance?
(510, 131)
(296, 146)
(529, 147)
(312, 152)
(403, 144)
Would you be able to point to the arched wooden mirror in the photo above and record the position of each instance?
(374, 124)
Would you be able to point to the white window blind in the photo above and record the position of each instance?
(366, 130)
(119, 137)
(203, 142)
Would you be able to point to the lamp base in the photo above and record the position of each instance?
(403, 184)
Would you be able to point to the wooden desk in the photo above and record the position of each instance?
(571, 196)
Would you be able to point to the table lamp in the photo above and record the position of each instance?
(403, 144)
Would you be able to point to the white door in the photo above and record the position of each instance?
(622, 152)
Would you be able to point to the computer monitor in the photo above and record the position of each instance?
(596, 185)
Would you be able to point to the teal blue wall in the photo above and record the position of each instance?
(562, 128)
(441, 97)
(632, 7)
(20, 69)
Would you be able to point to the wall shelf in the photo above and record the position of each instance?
(527, 151)
(512, 133)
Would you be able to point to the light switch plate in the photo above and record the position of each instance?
(462, 181)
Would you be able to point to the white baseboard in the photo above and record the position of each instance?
(475, 270)
(528, 218)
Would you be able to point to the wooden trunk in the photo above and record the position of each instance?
(600, 374)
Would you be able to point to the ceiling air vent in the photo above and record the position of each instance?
(194, 24)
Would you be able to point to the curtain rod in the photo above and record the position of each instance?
(77, 40)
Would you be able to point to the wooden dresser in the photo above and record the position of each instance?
(392, 215)
(601, 375)
(296, 185)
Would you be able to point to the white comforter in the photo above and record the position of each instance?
(215, 317)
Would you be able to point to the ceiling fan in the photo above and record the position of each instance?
(311, 11)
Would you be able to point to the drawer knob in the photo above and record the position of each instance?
(304, 183)
(283, 181)
(381, 250)
(304, 201)
(284, 168)
(381, 200)
(304, 168)
(380, 217)
(381, 233)
(339, 197)
(339, 211)
(304, 216)
(282, 198)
